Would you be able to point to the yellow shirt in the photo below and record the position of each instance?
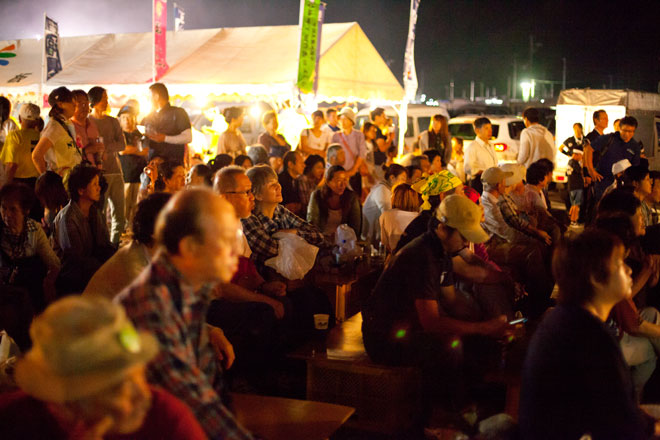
(64, 155)
(18, 149)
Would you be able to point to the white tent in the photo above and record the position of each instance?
(246, 63)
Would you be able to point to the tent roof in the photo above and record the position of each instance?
(249, 62)
(595, 97)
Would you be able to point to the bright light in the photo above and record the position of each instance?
(423, 97)
(291, 123)
(500, 147)
(527, 88)
(432, 102)
(255, 112)
(542, 101)
(494, 101)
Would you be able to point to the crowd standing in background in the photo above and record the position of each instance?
(146, 259)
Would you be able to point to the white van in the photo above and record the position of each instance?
(506, 133)
(419, 119)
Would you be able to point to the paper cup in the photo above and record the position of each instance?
(321, 321)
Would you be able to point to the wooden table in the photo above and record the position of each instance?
(278, 418)
(343, 279)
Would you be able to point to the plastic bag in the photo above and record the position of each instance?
(346, 240)
(295, 258)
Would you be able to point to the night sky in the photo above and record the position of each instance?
(604, 43)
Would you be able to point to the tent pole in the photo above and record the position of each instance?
(153, 41)
(403, 125)
(40, 97)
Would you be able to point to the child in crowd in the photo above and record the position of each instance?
(575, 183)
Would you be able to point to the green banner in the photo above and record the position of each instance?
(308, 36)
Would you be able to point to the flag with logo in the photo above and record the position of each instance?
(160, 39)
(52, 48)
(179, 18)
(308, 45)
(409, 74)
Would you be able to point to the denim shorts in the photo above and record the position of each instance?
(576, 197)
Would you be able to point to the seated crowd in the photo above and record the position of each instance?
(168, 288)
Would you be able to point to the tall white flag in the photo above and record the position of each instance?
(409, 74)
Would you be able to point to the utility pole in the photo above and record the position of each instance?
(451, 89)
(563, 74)
(471, 90)
(514, 83)
(508, 87)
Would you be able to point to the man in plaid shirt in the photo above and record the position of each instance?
(197, 231)
(270, 217)
(511, 244)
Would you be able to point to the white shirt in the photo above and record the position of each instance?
(392, 225)
(243, 246)
(317, 143)
(378, 201)
(479, 156)
(536, 142)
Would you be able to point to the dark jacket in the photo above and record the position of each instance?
(575, 381)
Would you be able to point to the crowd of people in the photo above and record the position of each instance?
(123, 250)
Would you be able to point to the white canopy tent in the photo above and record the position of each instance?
(230, 64)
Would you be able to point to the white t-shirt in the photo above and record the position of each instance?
(378, 201)
(243, 246)
(317, 143)
(64, 153)
(392, 225)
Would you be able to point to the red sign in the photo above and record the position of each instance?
(160, 38)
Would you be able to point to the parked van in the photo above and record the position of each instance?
(419, 119)
(506, 133)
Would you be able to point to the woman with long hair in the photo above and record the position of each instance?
(437, 138)
(311, 178)
(334, 204)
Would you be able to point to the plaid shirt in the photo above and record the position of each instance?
(513, 218)
(161, 302)
(259, 230)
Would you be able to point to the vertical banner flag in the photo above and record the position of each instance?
(160, 39)
(179, 18)
(321, 17)
(308, 37)
(52, 48)
(409, 74)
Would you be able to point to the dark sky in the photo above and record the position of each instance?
(605, 43)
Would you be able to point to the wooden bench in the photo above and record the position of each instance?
(386, 399)
(277, 418)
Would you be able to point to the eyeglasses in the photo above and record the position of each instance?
(246, 193)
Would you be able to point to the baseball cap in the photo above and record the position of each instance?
(29, 112)
(494, 175)
(461, 213)
(127, 109)
(516, 173)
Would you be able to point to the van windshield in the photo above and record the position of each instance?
(466, 132)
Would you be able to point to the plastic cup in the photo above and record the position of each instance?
(321, 321)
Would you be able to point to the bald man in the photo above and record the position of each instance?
(197, 233)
